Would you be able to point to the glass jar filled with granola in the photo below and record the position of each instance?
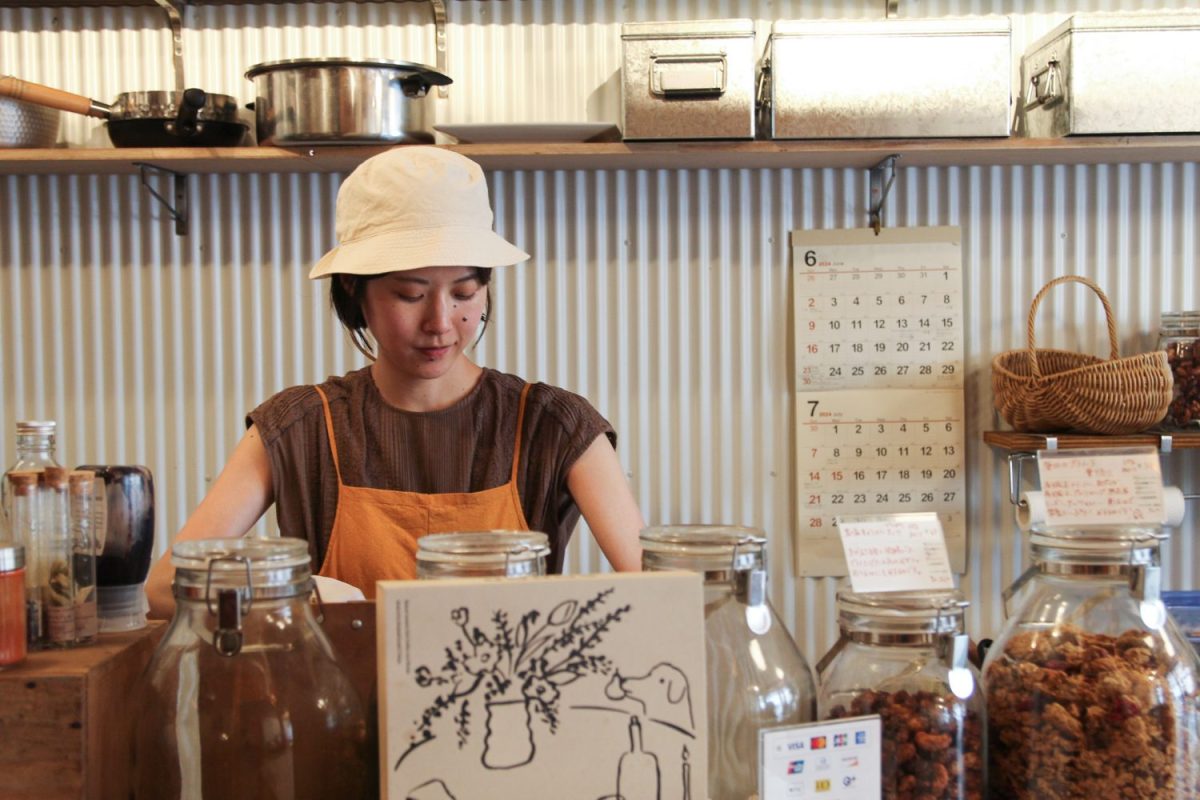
(1179, 336)
(1091, 688)
(756, 676)
(903, 656)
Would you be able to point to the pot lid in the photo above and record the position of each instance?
(435, 77)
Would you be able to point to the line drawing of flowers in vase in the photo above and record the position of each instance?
(514, 671)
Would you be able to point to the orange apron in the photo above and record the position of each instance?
(375, 531)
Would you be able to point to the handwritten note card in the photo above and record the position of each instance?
(1101, 487)
(895, 552)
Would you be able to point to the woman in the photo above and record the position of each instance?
(423, 440)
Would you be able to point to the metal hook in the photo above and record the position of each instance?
(879, 189)
(439, 39)
(175, 21)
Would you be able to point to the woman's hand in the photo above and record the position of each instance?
(238, 497)
(598, 485)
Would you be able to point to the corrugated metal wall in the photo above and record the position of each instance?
(660, 295)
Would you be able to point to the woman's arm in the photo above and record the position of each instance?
(238, 497)
(598, 485)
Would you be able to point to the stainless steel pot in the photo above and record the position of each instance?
(343, 101)
(27, 125)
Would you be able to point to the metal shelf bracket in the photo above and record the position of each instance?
(880, 188)
(1016, 462)
(178, 211)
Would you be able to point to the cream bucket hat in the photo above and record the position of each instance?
(413, 207)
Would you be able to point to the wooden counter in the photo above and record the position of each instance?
(66, 721)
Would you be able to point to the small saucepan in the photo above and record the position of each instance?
(188, 118)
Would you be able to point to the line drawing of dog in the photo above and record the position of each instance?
(664, 693)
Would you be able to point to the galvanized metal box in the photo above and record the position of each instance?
(834, 79)
(1115, 74)
(688, 80)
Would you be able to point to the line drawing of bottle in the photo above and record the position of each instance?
(637, 770)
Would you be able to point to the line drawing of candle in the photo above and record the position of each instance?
(687, 775)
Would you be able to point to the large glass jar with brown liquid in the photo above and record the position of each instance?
(245, 697)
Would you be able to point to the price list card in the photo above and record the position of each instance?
(879, 384)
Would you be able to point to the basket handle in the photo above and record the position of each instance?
(1113, 354)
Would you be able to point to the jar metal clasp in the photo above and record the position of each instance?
(229, 609)
(1145, 583)
(750, 585)
(954, 649)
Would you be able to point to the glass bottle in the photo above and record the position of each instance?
(1179, 336)
(84, 550)
(13, 645)
(490, 554)
(245, 697)
(1092, 690)
(26, 525)
(903, 656)
(757, 677)
(35, 452)
(58, 588)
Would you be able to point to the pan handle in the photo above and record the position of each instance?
(50, 97)
(189, 108)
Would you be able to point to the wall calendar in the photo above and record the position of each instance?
(878, 382)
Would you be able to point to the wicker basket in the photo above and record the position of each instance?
(1055, 390)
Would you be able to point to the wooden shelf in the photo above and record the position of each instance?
(1032, 442)
(860, 153)
(110, 3)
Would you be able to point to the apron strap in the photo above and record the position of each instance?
(520, 424)
(329, 431)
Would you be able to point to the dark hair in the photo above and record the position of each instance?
(346, 295)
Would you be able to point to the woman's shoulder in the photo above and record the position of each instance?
(546, 403)
(302, 405)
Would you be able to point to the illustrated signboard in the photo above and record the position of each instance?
(562, 688)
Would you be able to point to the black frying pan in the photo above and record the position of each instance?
(191, 118)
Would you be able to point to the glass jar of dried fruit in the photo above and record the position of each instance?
(903, 656)
(1092, 690)
(1179, 336)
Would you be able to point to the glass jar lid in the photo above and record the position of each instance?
(12, 556)
(256, 566)
(1094, 541)
(712, 549)
(900, 614)
(511, 553)
(1180, 323)
(33, 427)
